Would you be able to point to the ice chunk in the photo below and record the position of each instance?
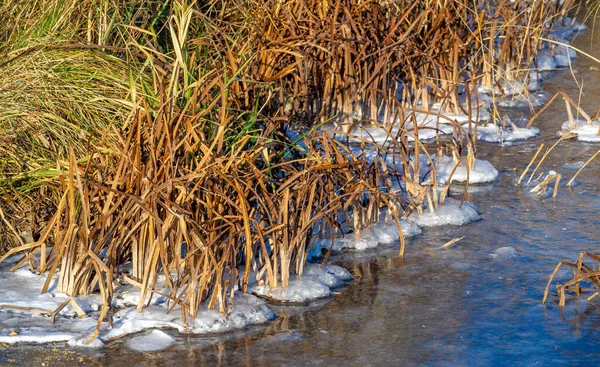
(301, 289)
(338, 272)
(81, 343)
(574, 165)
(482, 171)
(545, 60)
(496, 133)
(513, 87)
(525, 100)
(156, 340)
(504, 252)
(449, 213)
(585, 130)
(378, 234)
(479, 113)
(247, 310)
(330, 275)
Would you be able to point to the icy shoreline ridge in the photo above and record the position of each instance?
(21, 290)
(21, 295)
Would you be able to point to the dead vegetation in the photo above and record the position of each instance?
(583, 272)
(159, 136)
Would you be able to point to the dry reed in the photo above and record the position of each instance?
(176, 157)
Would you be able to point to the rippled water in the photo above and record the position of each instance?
(471, 304)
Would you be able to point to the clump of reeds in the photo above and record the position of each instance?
(582, 272)
(177, 157)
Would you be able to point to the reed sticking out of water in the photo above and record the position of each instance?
(582, 272)
(178, 157)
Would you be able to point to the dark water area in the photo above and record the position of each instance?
(471, 304)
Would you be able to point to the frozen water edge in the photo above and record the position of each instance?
(449, 213)
(21, 289)
(22, 327)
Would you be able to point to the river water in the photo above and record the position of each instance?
(466, 305)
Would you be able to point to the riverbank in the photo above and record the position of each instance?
(164, 231)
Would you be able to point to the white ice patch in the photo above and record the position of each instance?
(81, 343)
(247, 310)
(313, 284)
(156, 340)
(528, 100)
(504, 252)
(482, 171)
(498, 134)
(478, 114)
(428, 125)
(331, 275)
(587, 132)
(574, 165)
(513, 87)
(449, 213)
(34, 336)
(301, 289)
(428, 130)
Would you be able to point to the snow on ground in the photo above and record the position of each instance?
(314, 284)
(449, 213)
(587, 132)
(482, 171)
(499, 134)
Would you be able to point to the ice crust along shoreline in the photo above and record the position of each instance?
(22, 290)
